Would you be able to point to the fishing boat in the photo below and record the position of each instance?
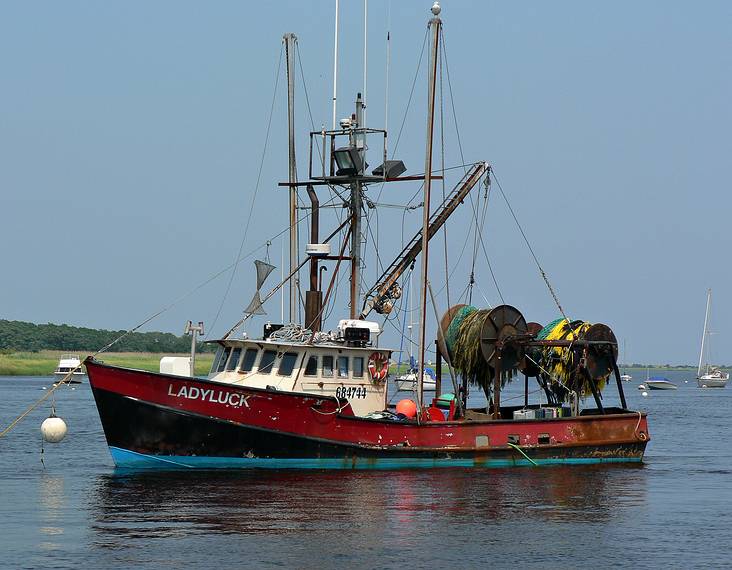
(306, 396)
(708, 376)
(69, 365)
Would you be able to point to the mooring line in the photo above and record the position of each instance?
(521, 451)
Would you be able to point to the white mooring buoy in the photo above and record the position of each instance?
(644, 394)
(53, 429)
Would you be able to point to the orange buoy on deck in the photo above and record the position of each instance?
(407, 407)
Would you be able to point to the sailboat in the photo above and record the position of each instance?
(625, 377)
(408, 380)
(304, 395)
(708, 376)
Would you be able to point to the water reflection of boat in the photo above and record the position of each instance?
(133, 504)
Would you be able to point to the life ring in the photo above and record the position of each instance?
(378, 366)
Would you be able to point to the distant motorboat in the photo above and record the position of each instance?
(626, 377)
(69, 364)
(713, 376)
(658, 383)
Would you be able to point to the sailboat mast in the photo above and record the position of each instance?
(704, 334)
(434, 24)
(290, 40)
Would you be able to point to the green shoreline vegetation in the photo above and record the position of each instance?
(44, 362)
(28, 349)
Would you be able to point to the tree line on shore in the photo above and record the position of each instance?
(23, 336)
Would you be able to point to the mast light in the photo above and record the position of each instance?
(349, 162)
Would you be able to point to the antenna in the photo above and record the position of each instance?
(365, 66)
(335, 67)
(388, 65)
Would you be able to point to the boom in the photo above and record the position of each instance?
(380, 292)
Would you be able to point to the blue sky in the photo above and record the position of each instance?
(131, 136)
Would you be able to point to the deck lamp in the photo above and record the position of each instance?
(349, 162)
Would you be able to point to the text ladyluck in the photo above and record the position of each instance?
(210, 395)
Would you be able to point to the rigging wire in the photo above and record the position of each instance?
(482, 243)
(254, 196)
(331, 187)
(442, 164)
(462, 157)
(531, 250)
(409, 103)
(452, 99)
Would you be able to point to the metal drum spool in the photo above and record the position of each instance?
(601, 359)
(527, 366)
(445, 324)
(501, 323)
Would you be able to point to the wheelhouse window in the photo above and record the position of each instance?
(224, 358)
(268, 358)
(217, 359)
(358, 367)
(287, 364)
(342, 367)
(247, 363)
(234, 360)
(327, 366)
(311, 368)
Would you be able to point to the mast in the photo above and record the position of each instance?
(704, 334)
(358, 140)
(290, 41)
(434, 24)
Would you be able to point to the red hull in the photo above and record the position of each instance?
(292, 425)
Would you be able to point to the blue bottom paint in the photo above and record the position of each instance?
(126, 459)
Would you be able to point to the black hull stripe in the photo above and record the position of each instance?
(151, 429)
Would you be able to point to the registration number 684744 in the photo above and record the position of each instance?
(350, 392)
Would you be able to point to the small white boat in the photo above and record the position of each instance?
(408, 381)
(713, 376)
(67, 364)
(659, 384)
(626, 377)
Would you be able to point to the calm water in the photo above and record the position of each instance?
(77, 512)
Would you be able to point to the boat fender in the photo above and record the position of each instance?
(378, 366)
